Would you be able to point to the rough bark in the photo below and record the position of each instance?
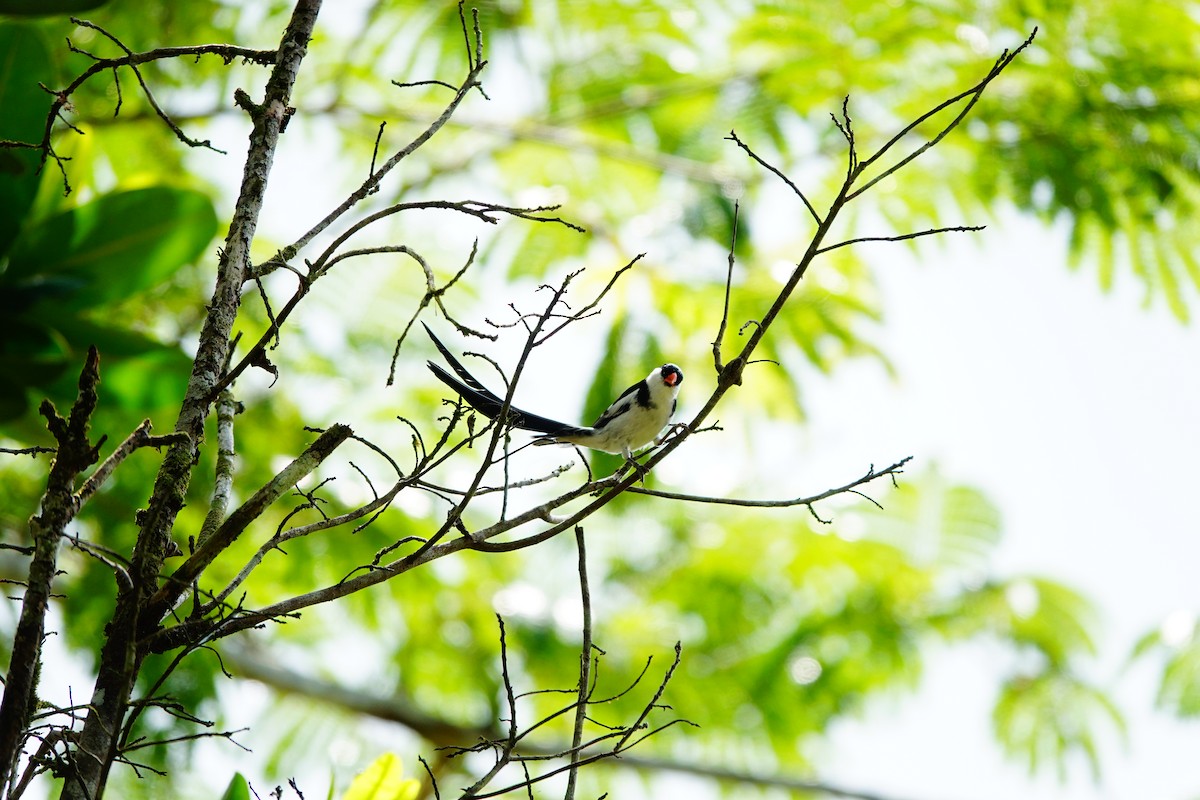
(58, 508)
(120, 657)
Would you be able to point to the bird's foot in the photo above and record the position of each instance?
(635, 465)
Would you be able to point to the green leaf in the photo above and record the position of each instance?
(140, 373)
(949, 527)
(1190, 264)
(1059, 622)
(1052, 618)
(238, 788)
(24, 61)
(111, 341)
(1170, 284)
(154, 381)
(711, 216)
(46, 8)
(383, 780)
(1179, 687)
(1044, 717)
(115, 246)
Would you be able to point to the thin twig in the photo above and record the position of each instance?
(179, 581)
(585, 662)
(903, 237)
(139, 438)
(733, 137)
(586, 310)
(716, 345)
(371, 184)
(26, 451)
(850, 487)
(974, 93)
(227, 408)
(62, 97)
(190, 142)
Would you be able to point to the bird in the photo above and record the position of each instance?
(632, 420)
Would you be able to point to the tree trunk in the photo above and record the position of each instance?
(59, 506)
(120, 658)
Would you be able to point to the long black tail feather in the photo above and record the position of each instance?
(457, 366)
(487, 403)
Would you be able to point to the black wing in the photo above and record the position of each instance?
(638, 393)
(487, 403)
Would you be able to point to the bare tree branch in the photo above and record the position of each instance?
(26, 451)
(488, 212)
(718, 362)
(370, 185)
(227, 409)
(585, 662)
(132, 62)
(62, 97)
(139, 438)
(903, 237)
(229, 530)
(59, 506)
(733, 137)
(872, 474)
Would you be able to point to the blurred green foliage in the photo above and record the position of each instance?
(1177, 642)
(619, 114)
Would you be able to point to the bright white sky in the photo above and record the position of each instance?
(1077, 413)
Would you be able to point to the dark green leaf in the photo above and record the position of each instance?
(151, 382)
(13, 402)
(111, 341)
(45, 8)
(32, 353)
(24, 61)
(711, 216)
(115, 246)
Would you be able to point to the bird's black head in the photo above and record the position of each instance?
(671, 375)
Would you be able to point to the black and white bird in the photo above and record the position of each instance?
(634, 419)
